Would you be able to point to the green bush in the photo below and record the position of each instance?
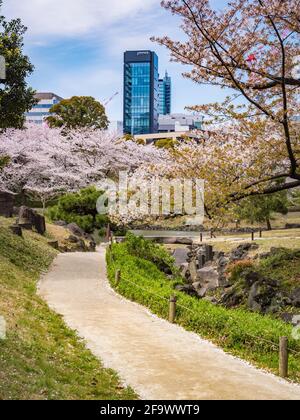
(139, 247)
(249, 335)
(79, 208)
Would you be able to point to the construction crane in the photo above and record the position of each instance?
(106, 102)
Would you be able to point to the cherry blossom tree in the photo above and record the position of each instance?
(44, 162)
(251, 49)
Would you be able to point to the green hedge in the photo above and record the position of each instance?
(249, 335)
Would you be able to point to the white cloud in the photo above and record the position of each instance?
(73, 17)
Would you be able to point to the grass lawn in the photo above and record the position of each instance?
(42, 358)
(276, 238)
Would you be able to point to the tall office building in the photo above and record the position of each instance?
(164, 95)
(40, 111)
(140, 92)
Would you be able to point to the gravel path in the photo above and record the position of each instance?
(159, 360)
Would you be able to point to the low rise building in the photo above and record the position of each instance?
(174, 123)
(41, 110)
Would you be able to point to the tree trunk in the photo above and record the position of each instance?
(268, 224)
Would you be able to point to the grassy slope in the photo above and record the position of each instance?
(237, 331)
(41, 358)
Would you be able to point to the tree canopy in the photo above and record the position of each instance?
(78, 112)
(16, 98)
(261, 209)
(252, 49)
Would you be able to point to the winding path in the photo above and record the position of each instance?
(159, 360)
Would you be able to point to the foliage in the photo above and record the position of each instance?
(79, 208)
(78, 112)
(45, 163)
(295, 199)
(238, 268)
(166, 143)
(15, 96)
(250, 48)
(260, 209)
(283, 265)
(249, 335)
(142, 248)
(4, 160)
(42, 359)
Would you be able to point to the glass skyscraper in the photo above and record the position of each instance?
(164, 95)
(140, 92)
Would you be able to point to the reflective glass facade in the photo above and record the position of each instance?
(140, 92)
(164, 96)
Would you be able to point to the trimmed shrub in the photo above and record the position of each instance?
(79, 208)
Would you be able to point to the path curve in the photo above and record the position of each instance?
(159, 360)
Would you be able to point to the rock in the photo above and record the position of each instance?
(181, 256)
(92, 246)
(211, 299)
(261, 296)
(241, 252)
(60, 223)
(16, 230)
(16, 211)
(26, 226)
(193, 271)
(201, 260)
(208, 276)
(186, 289)
(209, 255)
(39, 223)
(6, 204)
(231, 298)
(287, 317)
(29, 218)
(252, 278)
(184, 270)
(75, 230)
(200, 290)
(295, 297)
(73, 239)
(53, 244)
(184, 241)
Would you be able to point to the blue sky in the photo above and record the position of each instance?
(77, 47)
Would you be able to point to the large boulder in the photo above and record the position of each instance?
(75, 230)
(232, 297)
(186, 288)
(241, 252)
(208, 276)
(181, 256)
(6, 204)
(29, 218)
(263, 296)
(193, 271)
(295, 297)
(200, 289)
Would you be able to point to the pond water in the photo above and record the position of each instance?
(166, 233)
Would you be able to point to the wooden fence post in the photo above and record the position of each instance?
(118, 277)
(201, 237)
(283, 357)
(172, 309)
(252, 235)
(260, 233)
